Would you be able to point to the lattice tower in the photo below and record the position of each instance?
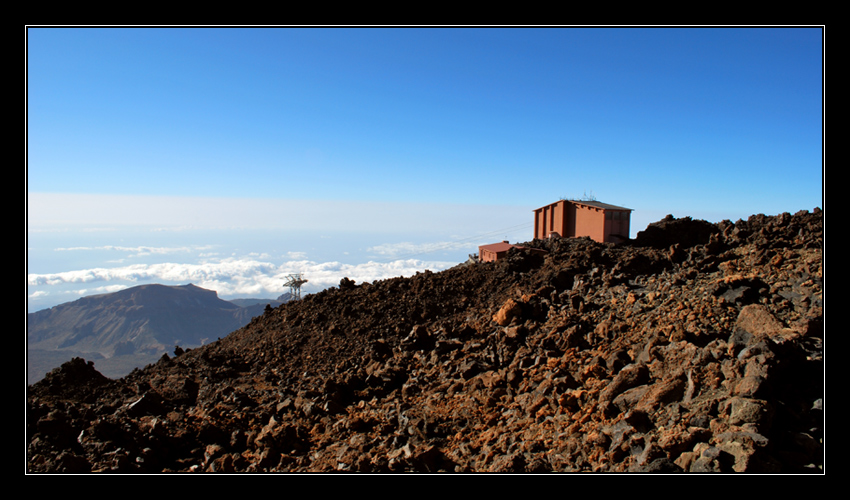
(294, 282)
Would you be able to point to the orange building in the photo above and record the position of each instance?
(571, 218)
(493, 251)
(496, 251)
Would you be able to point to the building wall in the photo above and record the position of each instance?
(570, 212)
(487, 256)
(493, 251)
(617, 225)
(496, 251)
(590, 222)
(570, 219)
(552, 218)
(542, 219)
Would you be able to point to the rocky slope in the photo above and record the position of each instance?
(696, 347)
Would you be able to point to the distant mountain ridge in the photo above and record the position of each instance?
(132, 327)
(251, 302)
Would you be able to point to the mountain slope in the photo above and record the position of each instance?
(139, 323)
(696, 347)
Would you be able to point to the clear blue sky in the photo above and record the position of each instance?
(712, 123)
(432, 115)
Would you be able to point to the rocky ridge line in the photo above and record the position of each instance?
(696, 347)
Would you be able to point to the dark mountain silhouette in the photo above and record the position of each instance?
(283, 298)
(132, 327)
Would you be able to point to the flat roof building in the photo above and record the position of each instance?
(493, 251)
(496, 251)
(601, 222)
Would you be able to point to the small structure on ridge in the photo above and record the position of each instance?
(496, 251)
(294, 282)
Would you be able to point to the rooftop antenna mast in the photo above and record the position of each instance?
(294, 282)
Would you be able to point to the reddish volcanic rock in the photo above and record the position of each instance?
(697, 347)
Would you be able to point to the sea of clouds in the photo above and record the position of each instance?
(234, 263)
(231, 278)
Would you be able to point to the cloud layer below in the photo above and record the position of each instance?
(231, 278)
(80, 244)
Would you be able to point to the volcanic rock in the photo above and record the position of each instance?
(697, 347)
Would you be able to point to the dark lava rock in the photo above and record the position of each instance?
(697, 347)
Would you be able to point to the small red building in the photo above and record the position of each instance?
(571, 218)
(496, 251)
(493, 251)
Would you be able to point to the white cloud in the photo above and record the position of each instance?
(232, 277)
(265, 239)
(99, 289)
(54, 297)
(138, 251)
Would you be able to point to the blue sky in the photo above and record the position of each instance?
(318, 149)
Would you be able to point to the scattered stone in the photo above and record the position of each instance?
(696, 348)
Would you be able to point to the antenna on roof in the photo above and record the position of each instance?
(294, 282)
(584, 197)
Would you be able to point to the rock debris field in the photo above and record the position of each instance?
(695, 347)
